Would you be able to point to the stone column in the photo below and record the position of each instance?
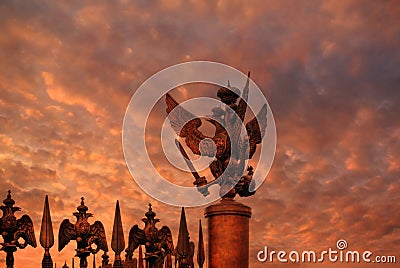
(228, 234)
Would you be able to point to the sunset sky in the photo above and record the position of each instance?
(329, 69)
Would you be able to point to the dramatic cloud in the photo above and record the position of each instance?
(329, 69)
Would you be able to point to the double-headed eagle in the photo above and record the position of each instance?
(229, 149)
(12, 229)
(84, 233)
(158, 242)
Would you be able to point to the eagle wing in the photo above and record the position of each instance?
(26, 231)
(165, 236)
(256, 129)
(136, 238)
(66, 233)
(97, 231)
(186, 125)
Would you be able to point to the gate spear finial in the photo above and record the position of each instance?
(46, 235)
(117, 241)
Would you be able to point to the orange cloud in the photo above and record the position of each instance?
(328, 69)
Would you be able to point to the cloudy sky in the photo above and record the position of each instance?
(329, 69)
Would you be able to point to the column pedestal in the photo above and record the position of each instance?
(228, 234)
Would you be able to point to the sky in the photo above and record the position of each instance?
(329, 70)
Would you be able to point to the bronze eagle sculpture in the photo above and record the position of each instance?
(84, 234)
(229, 149)
(158, 242)
(12, 230)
